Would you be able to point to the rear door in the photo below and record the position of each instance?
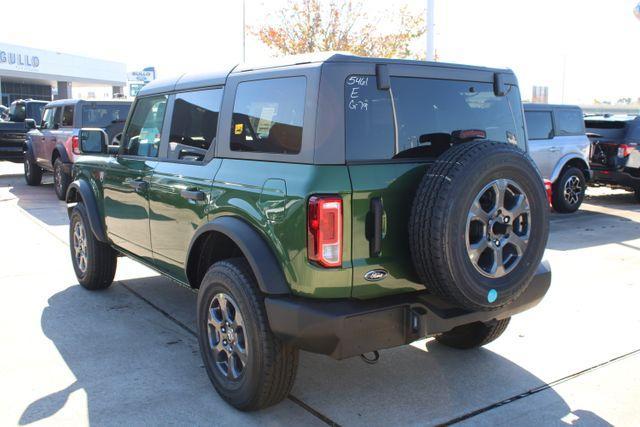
(570, 135)
(541, 144)
(127, 177)
(180, 186)
(392, 138)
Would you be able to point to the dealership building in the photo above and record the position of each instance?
(40, 74)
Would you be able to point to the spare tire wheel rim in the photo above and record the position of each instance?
(572, 190)
(227, 336)
(498, 228)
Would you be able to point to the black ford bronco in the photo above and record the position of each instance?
(334, 204)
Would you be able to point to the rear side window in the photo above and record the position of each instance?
(103, 115)
(67, 116)
(194, 124)
(268, 116)
(431, 115)
(143, 134)
(569, 122)
(539, 124)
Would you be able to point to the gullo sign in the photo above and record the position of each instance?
(19, 60)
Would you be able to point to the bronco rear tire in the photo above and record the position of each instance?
(568, 191)
(94, 262)
(479, 225)
(61, 180)
(249, 367)
(473, 335)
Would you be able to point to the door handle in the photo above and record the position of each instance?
(193, 194)
(138, 185)
(554, 149)
(377, 213)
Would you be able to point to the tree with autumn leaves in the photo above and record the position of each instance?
(305, 26)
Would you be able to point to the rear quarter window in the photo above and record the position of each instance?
(569, 122)
(268, 116)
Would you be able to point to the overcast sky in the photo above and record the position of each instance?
(592, 41)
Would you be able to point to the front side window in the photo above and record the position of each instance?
(569, 122)
(539, 124)
(143, 134)
(194, 124)
(47, 119)
(67, 116)
(431, 116)
(268, 116)
(103, 115)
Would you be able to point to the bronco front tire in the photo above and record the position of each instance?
(94, 262)
(32, 172)
(249, 367)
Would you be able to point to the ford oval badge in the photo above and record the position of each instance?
(375, 275)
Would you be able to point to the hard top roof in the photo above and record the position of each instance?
(218, 77)
(63, 102)
(533, 106)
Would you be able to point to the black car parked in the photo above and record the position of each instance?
(615, 153)
(23, 115)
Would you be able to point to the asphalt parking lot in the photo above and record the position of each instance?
(129, 355)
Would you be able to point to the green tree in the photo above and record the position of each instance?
(305, 26)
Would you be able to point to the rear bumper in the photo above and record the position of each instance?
(346, 328)
(616, 178)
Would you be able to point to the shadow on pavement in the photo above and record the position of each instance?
(136, 366)
(40, 201)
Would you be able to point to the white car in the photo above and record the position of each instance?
(560, 148)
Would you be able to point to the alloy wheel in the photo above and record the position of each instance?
(227, 336)
(80, 246)
(498, 228)
(572, 190)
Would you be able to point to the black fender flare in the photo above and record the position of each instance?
(81, 190)
(62, 152)
(28, 149)
(261, 258)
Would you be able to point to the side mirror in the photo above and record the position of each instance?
(92, 141)
(499, 85)
(31, 124)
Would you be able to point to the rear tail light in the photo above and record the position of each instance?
(549, 189)
(75, 146)
(624, 150)
(324, 230)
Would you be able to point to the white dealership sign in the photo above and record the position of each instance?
(25, 62)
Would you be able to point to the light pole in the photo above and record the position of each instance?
(431, 49)
(244, 30)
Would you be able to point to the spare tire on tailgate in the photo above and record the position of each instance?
(479, 225)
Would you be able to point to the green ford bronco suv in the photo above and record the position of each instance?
(334, 204)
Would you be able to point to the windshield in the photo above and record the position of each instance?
(431, 115)
(34, 110)
(102, 116)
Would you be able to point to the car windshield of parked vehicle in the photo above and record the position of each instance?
(101, 116)
(539, 124)
(431, 115)
(268, 116)
(34, 110)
